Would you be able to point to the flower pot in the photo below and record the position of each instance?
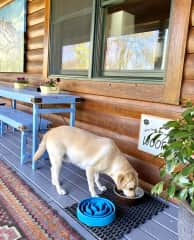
(18, 85)
(47, 89)
(185, 222)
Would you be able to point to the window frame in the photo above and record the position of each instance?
(138, 76)
(132, 89)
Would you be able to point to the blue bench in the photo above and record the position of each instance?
(21, 121)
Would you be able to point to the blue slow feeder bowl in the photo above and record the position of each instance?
(96, 212)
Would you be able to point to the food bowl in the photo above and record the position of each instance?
(96, 211)
(122, 199)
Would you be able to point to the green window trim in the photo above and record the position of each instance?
(96, 55)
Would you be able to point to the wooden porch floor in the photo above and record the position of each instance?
(161, 227)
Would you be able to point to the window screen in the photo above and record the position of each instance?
(70, 36)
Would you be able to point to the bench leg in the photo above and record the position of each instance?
(23, 147)
(2, 128)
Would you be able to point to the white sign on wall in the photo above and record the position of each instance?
(147, 125)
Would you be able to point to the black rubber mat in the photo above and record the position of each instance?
(127, 217)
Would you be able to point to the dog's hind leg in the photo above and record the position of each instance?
(90, 178)
(55, 172)
(98, 184)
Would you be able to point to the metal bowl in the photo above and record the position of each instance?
(122, 199)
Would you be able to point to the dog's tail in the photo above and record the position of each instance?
(41, 148)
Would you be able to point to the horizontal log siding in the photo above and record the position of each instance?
(188, 77)
(35, 5)
(149, 92)
(35, 43)
(35, 55)
(111, 116)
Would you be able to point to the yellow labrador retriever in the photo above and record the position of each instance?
(93, 153)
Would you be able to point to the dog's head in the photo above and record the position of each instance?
(127, 182)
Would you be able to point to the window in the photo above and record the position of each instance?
(70, 37)
(117, 39)
(135, 38)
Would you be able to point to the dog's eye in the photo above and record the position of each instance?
(131, 189)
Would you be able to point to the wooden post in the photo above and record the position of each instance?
(46, 39)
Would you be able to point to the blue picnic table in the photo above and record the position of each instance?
(37, 100)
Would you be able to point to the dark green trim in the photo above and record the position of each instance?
(111, 79)
(106, 3)
(92, 39)
(98, 30)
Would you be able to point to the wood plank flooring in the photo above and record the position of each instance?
(161, 227)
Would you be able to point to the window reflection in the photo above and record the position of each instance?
(136, 33)
(75, 56)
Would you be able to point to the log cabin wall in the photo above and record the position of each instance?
(188, 77)
(100, 112)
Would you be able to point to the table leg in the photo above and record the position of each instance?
(72, 115)
(14, 107)
(35, 132)
(13, 104)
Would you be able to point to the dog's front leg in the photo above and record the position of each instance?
(90, 178)
(98, 184)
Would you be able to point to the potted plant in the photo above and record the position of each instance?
(178, 168)
(50, 86)
(21, 82)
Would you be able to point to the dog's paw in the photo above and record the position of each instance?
(94, 194)
(103, 188)
(61, 191)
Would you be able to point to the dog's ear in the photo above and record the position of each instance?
(120, 180)
(136, 179)
(133, 176)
